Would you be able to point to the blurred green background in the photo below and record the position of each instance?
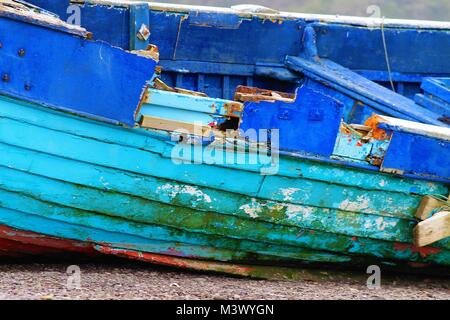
(407, 9)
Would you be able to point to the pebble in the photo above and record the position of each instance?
(129, 280)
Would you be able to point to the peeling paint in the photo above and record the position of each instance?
(288, 193)
(175, 190)
(355, 206)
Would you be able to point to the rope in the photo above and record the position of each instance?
(386, 55)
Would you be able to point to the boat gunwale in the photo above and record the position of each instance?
(365, 22)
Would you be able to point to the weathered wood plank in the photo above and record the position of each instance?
(110, 204)
(110, 82)
(427, 205)
(207, 199)
(175, 126)
(241, 270)
(86, 233)
(52, 219)
(433, 229)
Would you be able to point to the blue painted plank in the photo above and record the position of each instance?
(63, 71)
(107, 23)
(310, 123)
(416, 148)
(187, 108)
(433, 104)
(418, 155)
(409, 49)
(138, 18)
(360, 88)
(58, 7)
(438, 87)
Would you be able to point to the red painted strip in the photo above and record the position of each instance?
(27, 242)
(187, 263)
(422, 251)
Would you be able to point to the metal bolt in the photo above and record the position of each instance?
(1, 45)
(21, 52)
(5, 77)
(27, 87)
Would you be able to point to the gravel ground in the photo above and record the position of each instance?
(125, 280)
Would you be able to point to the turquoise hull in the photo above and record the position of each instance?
(72, 178)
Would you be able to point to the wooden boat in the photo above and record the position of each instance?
(206, 49)
(92, 155)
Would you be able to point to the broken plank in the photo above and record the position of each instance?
(175, 126)
(259, 97)
(433, 229)
(427, 205)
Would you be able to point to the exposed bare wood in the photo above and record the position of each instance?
(234, 109)
(254, 90)
(30, 11)
(190, 92)
(151, 52)
(427, 205)
(360, 127)
(258, 97)
(160, 85)
(248, 94)
(433, 229)
(175, 126)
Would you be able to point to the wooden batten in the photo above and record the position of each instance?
(160, 85)
(259, 97)
(433, 229)
(427, 205)
(175, 126)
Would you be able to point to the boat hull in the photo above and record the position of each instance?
(81, 180)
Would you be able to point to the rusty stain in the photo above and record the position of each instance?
(377, 133)
(233, 109)
(179, 262)
(445, 120)
(144, 33)
(151, 52)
